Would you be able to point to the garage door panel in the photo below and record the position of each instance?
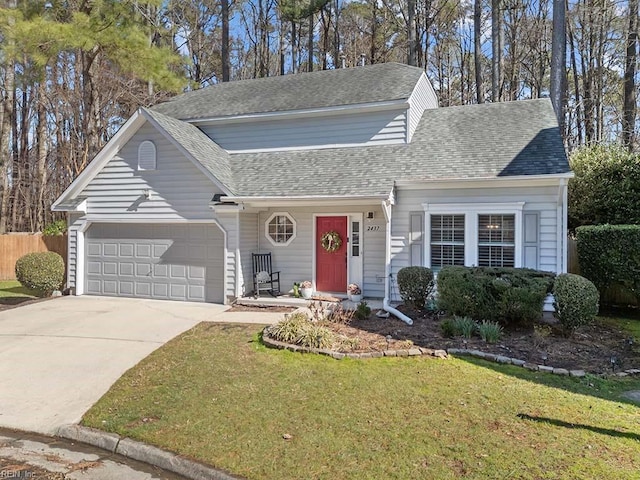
(196, 273)
(177, 262)
(126, 269)
(110, 287)
(126, 250)
(125, 288)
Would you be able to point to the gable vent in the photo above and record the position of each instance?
(147, 156)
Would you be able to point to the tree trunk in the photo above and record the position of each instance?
(558, 59)
(226, 64)
(310, 44)
(477, 49)
(6, 122)
(294, 48)
(41, 139)
(629, 102)
(411, 32)
(496, 50)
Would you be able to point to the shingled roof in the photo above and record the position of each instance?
(451, 143)
(209, 154)
(327, 88)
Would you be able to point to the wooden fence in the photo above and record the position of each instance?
(614, 295)
(15, 245)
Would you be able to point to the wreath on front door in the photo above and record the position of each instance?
(331, 241)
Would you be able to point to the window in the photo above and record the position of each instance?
(496, 240)
(147, 156)
(280, 229)
(447, 240)
(355, 239)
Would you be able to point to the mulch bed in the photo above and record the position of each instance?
(590, 348)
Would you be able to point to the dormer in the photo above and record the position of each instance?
(361, 106)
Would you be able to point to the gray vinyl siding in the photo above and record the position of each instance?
(229, 222)
(179, 189)
(295, 261)
(541, 200)
(248, 245)
(373, 128)
(423, 97)
(73, 223)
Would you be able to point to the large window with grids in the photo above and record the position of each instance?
(447, 240)
(496, 240)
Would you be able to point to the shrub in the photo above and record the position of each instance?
(576, 301)
(487, 293)
(610, 255)
(448, 328)
(55, 228)
(415, 285)
(490, 332)
(316, 336)
(363, 311)
(339, 315)
(41, 271)
(606, 186)
(289, 329)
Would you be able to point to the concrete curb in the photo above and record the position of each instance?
(142, 452)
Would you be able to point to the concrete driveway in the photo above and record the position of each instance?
(58, 357)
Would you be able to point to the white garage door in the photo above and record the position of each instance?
(172, 262)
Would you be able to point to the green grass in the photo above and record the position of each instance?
(217, 395)
(12, 293)
(628, 324)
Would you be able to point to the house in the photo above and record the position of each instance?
(184, 193)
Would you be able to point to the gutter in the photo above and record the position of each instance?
(386, 208)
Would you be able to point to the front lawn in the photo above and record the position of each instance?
(217, 395)
(12, 293)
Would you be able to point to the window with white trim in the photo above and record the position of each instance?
(147, 156)
(355, 239)
(496, 240)
(280, 229)
(447, 240)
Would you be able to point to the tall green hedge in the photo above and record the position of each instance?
(610, 255)
(606, 187)
(485, 293)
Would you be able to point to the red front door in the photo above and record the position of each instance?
(331, 267)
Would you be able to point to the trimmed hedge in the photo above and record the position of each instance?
(575, 300)
(415, 285)
(41, 271)
(485, 293)
(606, 186)
(610, 255)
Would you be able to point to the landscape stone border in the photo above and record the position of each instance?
(142, 452)
(491, 357)
(412, 352)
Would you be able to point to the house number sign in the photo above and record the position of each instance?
(373, 228)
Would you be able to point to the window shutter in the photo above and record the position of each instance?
(416, 239)
(531, 244)
(147, 156)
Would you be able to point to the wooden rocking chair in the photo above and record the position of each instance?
(264, 278)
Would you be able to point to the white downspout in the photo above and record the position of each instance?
(386, 208)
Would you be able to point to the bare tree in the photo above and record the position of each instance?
(629, 82)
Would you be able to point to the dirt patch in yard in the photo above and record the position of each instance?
(591, 348)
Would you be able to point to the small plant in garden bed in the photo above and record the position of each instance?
(362, 311)
(464, 326)
(490, 332)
